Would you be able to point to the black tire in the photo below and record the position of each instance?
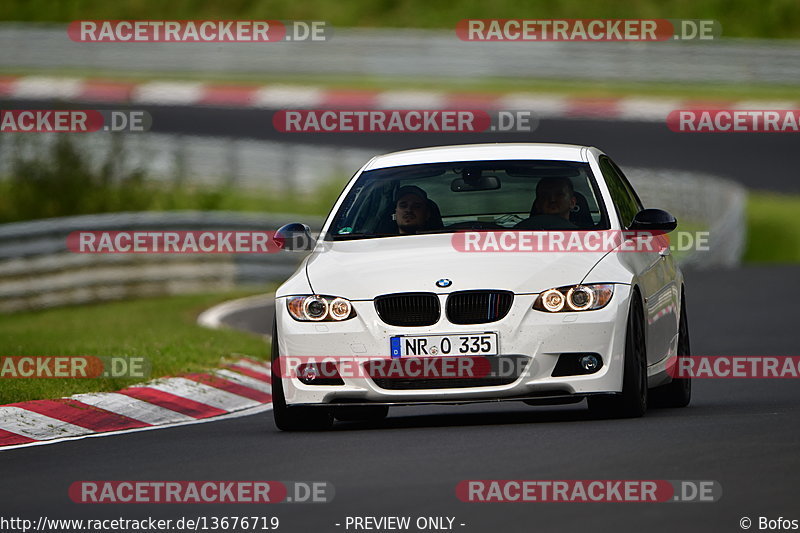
(366, 413)
(293, 418)
(632, 402)
(678, 392)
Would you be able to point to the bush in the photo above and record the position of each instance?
(59, 181)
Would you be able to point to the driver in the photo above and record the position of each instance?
(555, 199)
(554, 196)
(412, 210)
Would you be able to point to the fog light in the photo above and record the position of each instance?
(319, 373)
(307, 373)
(589, 362)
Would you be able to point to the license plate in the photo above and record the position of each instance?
(436, 345)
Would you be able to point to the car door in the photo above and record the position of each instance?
(654, 267)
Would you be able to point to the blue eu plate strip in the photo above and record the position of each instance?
(395, 347)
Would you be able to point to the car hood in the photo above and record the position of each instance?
(366, 268)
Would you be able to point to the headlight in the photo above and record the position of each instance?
(574, 298)
(315, 308)
(552, 300)
(340, 309)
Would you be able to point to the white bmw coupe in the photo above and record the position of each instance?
(474, 273)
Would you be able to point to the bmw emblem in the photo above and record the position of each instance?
(444, 283)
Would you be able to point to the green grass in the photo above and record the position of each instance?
(739, 18)
(773, 228)
(162, 330)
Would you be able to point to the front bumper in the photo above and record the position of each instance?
(533, 338)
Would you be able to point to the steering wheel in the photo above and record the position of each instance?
(545, 223)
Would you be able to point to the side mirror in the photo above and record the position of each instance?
(295, 237)
(654, 220)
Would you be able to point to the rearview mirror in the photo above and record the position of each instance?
(653, 220)
(295, 237)
(483, 183)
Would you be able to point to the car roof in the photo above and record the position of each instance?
(481, 152)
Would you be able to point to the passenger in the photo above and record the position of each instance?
(412, 210)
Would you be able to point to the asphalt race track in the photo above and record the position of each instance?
(757, 160)
(742, 433)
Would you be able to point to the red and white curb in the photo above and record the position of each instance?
(240, 388)
(296, 96)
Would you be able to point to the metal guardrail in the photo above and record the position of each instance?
(200, 160)
(418, 54)
(716, 204)
(38, 271)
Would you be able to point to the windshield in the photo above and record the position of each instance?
(473, 195)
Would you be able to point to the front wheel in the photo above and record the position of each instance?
(289, 418)
(632, 402)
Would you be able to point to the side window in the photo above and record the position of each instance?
(631, 190)
(625, 200)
